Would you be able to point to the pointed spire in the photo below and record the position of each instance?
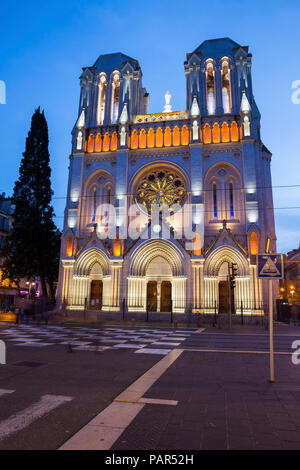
(245, 105)
(124, 115)
(167, 106)
(81, 120)
(195, 111)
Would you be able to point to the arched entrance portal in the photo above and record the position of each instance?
(166, 296)
(216, 289)
(156, 282)
(152, 296)
(96, 294)
(224, 289)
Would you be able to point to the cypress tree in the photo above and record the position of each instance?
(32, 246)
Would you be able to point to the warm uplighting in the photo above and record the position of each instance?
(106, 142)
(118, 247)
(69, 247)
(197, 245)
(90, 147)
(234, 132)
(207, 134)
(253, 244)
(114, 141)
(225, 132)
(216, 133)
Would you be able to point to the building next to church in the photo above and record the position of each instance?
(208, 157)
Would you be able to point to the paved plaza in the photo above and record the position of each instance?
(147, 388)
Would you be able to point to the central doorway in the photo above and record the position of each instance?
(166, 296)
(223, 297)
(96, 294)
(152, 296)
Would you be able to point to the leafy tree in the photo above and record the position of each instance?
(32, 246)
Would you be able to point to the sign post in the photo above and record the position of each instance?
(269, 266)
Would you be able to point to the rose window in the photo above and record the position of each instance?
(161, 187)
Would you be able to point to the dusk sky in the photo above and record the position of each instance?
(44, 45)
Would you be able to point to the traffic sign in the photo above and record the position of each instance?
(270, 266)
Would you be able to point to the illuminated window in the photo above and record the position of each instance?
(101, 100)
(234, 132)
(90, 147)
(268, 245)
(225, 132)
(150, 139)
(94, 204)
(69, 247)
(79, 141)
(216, 133)
(74, 247)
(114, 141)
(115, 97)
(207, 134)
(231, 199)
(98, 142)
(215, 200)
(134, 139)
(159, 137)
(197, 245)
(106, 142)
(253, 244)
(176, 136)
(118, 247)
(184, 136)
(226, 96)
(168, 137)
(210, 89)
(142, 139)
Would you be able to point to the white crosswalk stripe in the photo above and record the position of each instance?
(3, 391)
(24, 418)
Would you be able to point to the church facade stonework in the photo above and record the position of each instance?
(159, 206)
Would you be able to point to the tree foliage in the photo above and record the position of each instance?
(32, 246)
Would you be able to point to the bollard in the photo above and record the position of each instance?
(97, 348)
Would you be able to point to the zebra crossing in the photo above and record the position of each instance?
(36, 410)
(83, 338)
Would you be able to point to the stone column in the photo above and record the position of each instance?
(116, 266)
(218, 91)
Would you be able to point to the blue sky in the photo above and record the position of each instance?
(45, 44)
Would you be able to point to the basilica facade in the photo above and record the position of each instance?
(161, 206)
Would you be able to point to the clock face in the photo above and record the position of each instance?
(162, 187)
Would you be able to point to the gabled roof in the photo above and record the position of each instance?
(218, 48)
(109, 62)
(224, 232)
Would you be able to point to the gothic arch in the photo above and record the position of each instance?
(225, 254)
(87, 259)
(149, 250)
(154, 166)
(226, 197)
(95, 191)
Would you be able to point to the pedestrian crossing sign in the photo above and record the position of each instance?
(269, 266)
